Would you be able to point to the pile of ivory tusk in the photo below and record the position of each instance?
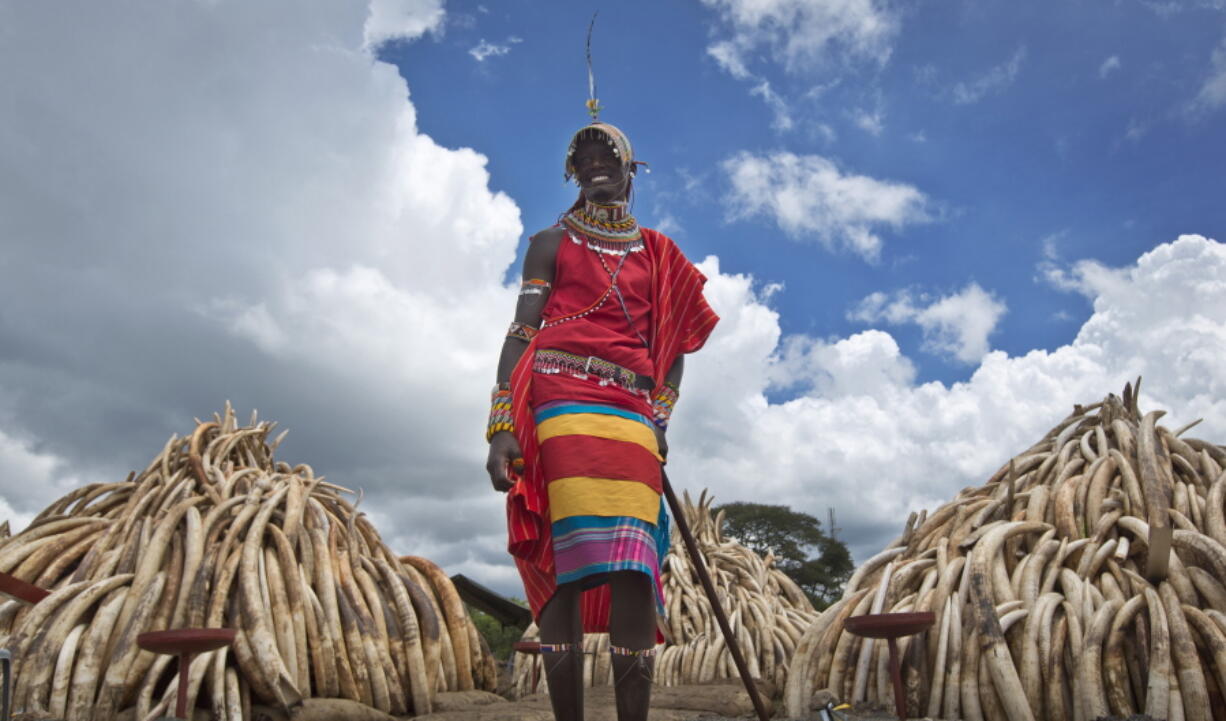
(766, 610)
(1038, 583)
(215, 533)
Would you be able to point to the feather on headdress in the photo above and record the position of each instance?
(596, 129)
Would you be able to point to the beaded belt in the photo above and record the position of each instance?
(556, 361)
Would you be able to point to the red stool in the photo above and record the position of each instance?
(891, 626)
(532, 648)
(18, 589)
(14, 587)
(185, 643)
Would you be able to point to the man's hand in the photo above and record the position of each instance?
(661, 442)
(504, 451)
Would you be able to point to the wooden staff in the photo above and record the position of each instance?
(720, 616)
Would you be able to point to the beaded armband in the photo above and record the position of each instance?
(522, 331)
(662, 405)
(500, 412)
(534, 286)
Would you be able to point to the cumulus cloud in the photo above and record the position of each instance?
(244, 220)
(24, 470)
(866, 364)
(809, 196)
(859, 434)
(1085, 277)
(402, 20)
(266, 223)
(956, 325)
(994, 80)
(802, 33)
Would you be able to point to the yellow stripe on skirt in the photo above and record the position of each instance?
(585, 496)
(599, 425)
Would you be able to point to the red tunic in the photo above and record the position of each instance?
(570, 324)
(678, 320)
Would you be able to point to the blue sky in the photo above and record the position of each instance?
(929, 229)
(1030, 129)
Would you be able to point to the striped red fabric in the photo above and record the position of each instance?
(602, 458)
(681, 322)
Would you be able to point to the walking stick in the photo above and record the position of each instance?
(720, 616)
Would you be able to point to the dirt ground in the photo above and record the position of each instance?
(713, 702)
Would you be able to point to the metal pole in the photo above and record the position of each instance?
(720, 616)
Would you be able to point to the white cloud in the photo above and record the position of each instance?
(961, 323)
(1135, 130)
(310, 252)
(865, 364)
(956, 325)
(1212, 93)
(1163, 9)
(29, 481)
(809, 196)
(670, 226)
(1109, 66)
(485, 49)
(800, 34)
(993, 81)
(1085, 277)
(244, 220)
(864, 438)
(729, 58)
(1166, 9)
(872, 123)
(402, 20)
(782, 121)
(823, 133)
(1049, 268)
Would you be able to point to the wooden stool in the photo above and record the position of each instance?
(891, 626)
(185, 643)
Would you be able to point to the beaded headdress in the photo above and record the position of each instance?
(598, 130)
(612, 135)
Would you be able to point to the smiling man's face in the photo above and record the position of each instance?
(601, 175)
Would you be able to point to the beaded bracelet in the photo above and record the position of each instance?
(662, 405)
(522, 331)
(500, 412)
(534, 286)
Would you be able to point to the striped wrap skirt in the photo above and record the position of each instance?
(602, 473)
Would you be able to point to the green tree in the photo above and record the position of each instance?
(819, 564)
(500, 638)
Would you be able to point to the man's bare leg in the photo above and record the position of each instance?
(562, 652)
(632, 638)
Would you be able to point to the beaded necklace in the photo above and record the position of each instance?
(608, 228)
(547, 322)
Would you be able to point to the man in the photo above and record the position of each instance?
(586, 383)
